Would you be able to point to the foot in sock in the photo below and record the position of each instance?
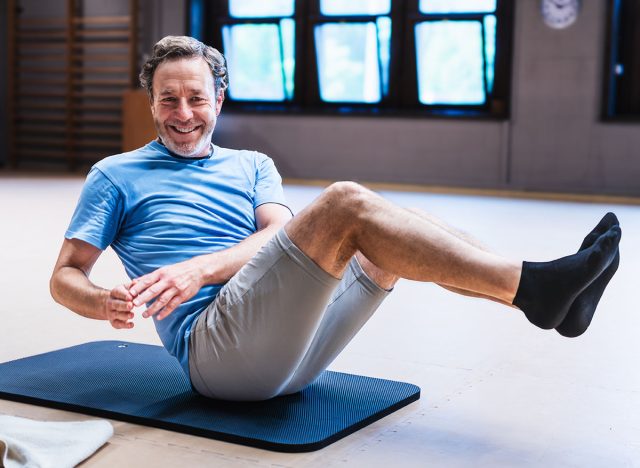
(548, 289)
(603, 226)
(581, 312)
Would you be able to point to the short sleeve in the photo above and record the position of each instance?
(268, 188)
(99, 211)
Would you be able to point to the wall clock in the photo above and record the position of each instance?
(559, 14)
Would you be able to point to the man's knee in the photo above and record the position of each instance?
(326, 230)
(348, 198)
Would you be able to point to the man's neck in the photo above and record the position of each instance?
(175, 155)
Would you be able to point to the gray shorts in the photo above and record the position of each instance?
(277, 324)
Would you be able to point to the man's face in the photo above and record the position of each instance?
(184, 106)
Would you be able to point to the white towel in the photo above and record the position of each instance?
(25, 443)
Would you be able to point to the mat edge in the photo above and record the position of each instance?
(221, 436)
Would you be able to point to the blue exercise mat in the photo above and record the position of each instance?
(143, 384)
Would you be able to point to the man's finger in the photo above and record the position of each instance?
(170, 307)
(121, 292)
(150, 293)
(116, 304)
(122, 316)
(142, 283)
(160, 302)
(121, 324)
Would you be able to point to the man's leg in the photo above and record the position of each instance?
(361, 290)
(249, 342)
(387, 280)
(347, 218)
(352, 304)
(581, 312)
(469, 240)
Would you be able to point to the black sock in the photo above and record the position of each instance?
(603, 226)
(581, 312)
(547, 289)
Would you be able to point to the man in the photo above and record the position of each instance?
(255, 303)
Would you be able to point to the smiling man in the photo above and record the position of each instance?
(179, 202)
(252, 302)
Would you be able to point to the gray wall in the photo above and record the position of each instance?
(159, 18)
(558, 142)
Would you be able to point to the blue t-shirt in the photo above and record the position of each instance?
(156, 209)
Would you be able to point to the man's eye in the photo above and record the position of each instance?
(168, 99)
(197, 98)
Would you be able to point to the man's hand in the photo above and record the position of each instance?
(119, 306)
(170, 286)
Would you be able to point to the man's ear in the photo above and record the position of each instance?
(219, 101)
(153, 111)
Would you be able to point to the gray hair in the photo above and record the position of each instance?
(177, 47)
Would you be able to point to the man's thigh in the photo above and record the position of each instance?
(248, 343)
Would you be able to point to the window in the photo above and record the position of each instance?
(352, 56)
(258, 41)
(460, 56)
(455, 57)
(622, 64)
(380, 56)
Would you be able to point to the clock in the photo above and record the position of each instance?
(559, 14)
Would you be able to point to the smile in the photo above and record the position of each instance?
(184, 129)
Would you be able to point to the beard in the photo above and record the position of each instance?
(189, 149)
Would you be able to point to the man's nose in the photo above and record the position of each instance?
(183, 110)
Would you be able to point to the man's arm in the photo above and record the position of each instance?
(172, 285)
(70, 286)
(219, 267)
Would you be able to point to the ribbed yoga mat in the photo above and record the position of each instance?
(143, 384)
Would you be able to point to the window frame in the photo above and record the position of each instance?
(402, 97)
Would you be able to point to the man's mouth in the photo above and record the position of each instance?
(184, 130)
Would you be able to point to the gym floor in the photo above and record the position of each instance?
(496, 391)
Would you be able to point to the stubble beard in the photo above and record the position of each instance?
(186, 150)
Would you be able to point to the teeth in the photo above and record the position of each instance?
(185, 129)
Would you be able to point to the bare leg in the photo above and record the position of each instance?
(468, 239)
(387, 280)
(382, 278)
(348, 218)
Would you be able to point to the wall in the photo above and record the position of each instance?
(558, 142)
(159, 18)
(417, 151)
